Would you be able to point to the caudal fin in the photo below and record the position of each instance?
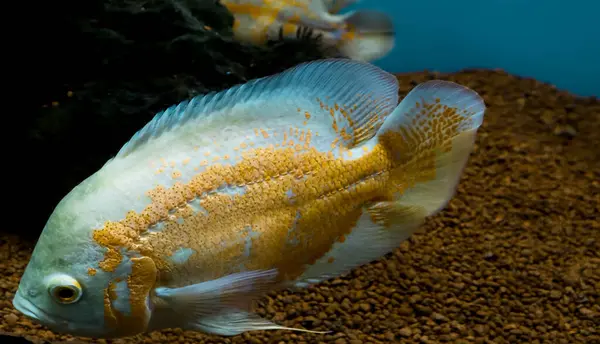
(334, 6)
(369, 35)
(429, 138)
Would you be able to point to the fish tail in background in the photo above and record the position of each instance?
(334, 6)
(428, 139)
(368, 35)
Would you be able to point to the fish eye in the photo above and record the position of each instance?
(64, 289)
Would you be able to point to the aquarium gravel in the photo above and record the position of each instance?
(514, 257)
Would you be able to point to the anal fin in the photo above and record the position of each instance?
(235, 322)
(380, 229)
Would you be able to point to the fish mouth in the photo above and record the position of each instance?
(31, 311)
(54, 322)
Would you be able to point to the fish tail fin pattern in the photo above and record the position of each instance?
(368, 35)
(335, 6)
(425, 142)
(428, 139)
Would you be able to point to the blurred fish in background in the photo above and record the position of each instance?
(363, 35)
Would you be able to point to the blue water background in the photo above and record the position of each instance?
(555, 41)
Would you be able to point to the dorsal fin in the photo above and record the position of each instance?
(367, 92)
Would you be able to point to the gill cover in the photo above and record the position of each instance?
(127, 302)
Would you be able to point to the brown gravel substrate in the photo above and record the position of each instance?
(513, 259)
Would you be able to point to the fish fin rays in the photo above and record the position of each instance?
(355, 97)
(371, 35)
(430, 137)
(223, 306)
(310, 95)
(235, 322)
(380, 229)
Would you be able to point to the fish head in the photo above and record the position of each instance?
(66, 288)
(57, 289)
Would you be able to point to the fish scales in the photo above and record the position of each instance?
(322, 185)
(284, 181)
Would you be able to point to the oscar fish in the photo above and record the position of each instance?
(363, 35)
(282, 182)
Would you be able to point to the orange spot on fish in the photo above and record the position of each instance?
(264, 134)
(329, 208)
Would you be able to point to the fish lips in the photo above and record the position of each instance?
(53, 322)
(31, 311)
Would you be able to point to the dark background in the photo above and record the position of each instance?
(97, 71)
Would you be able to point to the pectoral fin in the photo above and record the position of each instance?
(235, 322)
(222, 306)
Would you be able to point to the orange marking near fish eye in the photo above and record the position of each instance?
(110, 320)
(139, 283)
(91, 271)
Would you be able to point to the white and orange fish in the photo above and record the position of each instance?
(363, 35)
(282, 182)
